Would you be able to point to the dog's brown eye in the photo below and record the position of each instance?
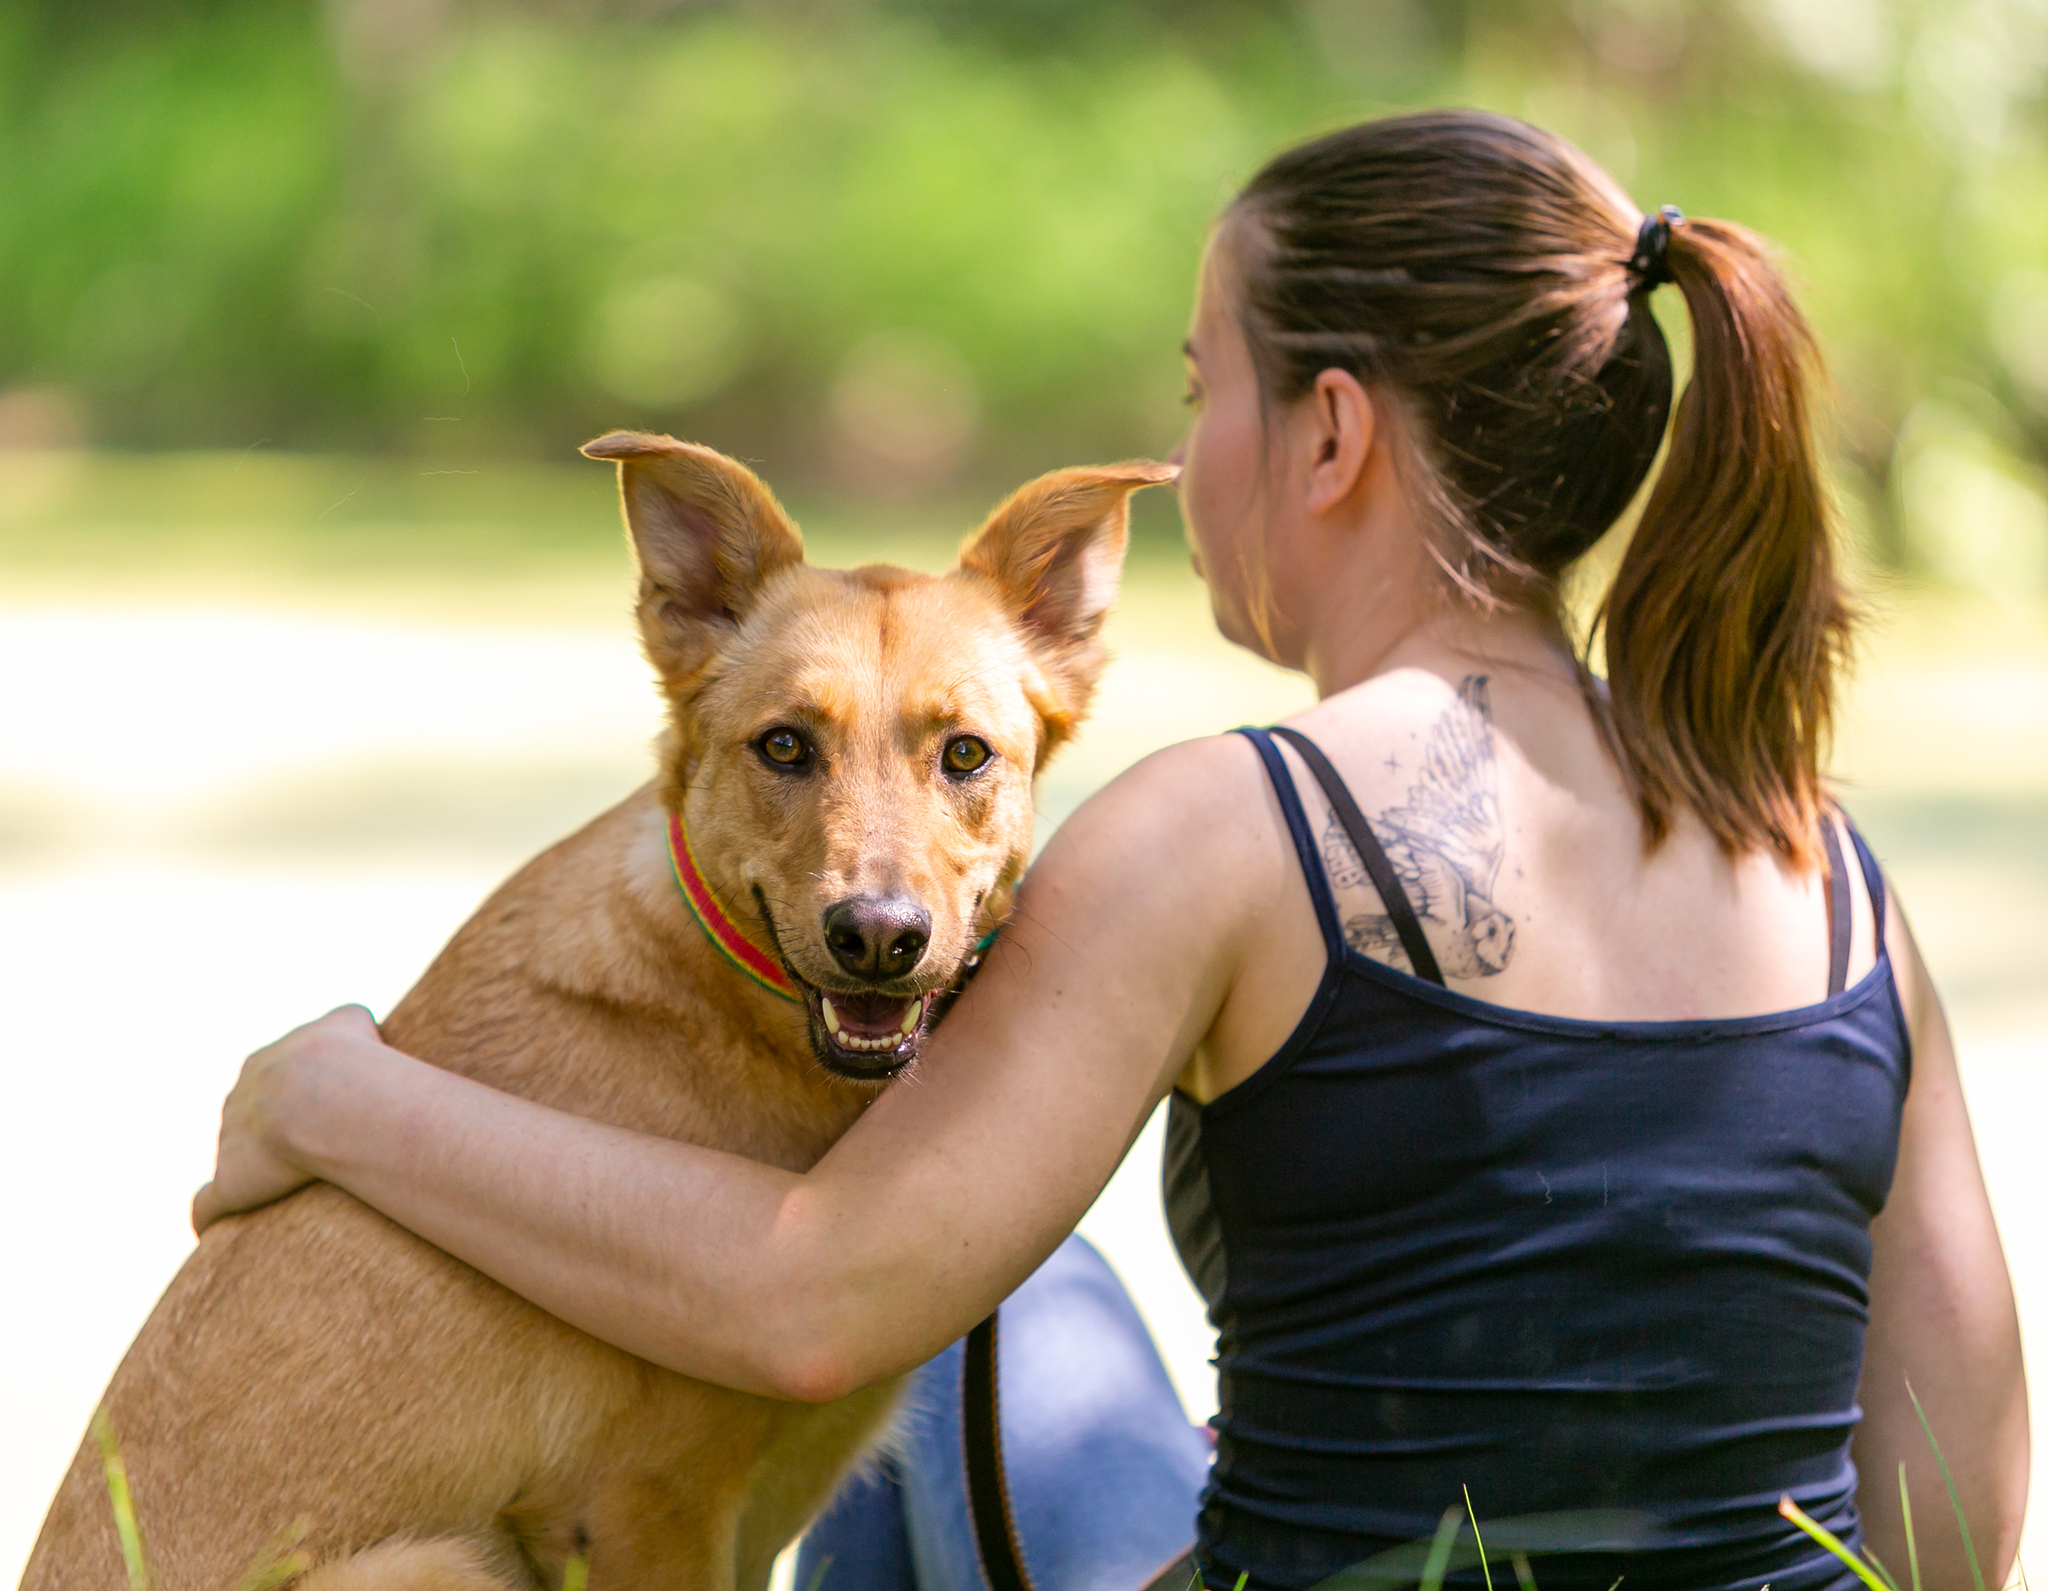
(965, 753)
(785, 748)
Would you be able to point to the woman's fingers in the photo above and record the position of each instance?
(351, 1022)
(251, 1166)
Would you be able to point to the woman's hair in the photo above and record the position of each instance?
(1478, 271)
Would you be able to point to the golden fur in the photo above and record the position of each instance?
(314, 1361)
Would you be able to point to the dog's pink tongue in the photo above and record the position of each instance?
(870, 1015)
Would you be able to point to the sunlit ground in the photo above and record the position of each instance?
(239, 784)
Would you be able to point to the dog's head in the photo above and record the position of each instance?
(853, 751)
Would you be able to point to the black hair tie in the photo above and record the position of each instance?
(1653, 241)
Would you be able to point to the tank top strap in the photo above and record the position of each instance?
(1304, 841)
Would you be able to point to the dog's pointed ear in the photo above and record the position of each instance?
(1055, 551)
(706, 533)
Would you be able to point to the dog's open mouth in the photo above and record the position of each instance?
(870, 1037)
(866, 1036)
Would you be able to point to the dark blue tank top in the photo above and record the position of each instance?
(1610, 1274)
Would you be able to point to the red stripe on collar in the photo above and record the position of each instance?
(722, 931)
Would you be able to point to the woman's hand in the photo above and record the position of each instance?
(254, 1165)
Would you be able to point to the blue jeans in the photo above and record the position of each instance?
(1104, 1470)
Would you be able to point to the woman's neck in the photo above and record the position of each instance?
(1432, 627)
(1360, 591)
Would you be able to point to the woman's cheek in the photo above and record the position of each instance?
(1204, 470)
(1213, 495)
(1199, 517)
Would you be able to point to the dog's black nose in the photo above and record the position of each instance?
(877, 937)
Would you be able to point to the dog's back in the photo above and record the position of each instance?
(319, 1378)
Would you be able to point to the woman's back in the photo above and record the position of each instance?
(1604, 1266)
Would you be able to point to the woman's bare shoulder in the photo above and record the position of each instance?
(1178, 792)
(1196, 816)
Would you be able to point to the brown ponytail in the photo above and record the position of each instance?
(1726, 623)
(1479, 270)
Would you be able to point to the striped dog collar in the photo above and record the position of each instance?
(722, 931)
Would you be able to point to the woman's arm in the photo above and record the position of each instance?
(951, 1189)
(1941, 1317)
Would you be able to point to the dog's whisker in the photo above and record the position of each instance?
(1017, 910)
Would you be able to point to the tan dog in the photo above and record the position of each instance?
(851, 758)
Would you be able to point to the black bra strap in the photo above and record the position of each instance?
(1381, 871)
(1838, 908)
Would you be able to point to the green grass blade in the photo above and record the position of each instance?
(1877, 1563)
(281, 1562)
(1525, 1577)
(1906, 1509)
(1948, 1480)
(1241, 1580)
(1469, 1514)
(125, 1523)
(1827, 1538)
(576, 1573)
(1440, 1551)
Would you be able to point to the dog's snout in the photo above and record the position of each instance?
(878, 937)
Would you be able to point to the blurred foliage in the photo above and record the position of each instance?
(884, 244)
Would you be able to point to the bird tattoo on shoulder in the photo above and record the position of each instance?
(1445, 842)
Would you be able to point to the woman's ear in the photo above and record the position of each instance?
(1339, 422)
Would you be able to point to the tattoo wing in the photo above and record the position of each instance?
(1452, 813)
(1340, 857)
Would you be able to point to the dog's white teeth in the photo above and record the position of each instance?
(850, 1040)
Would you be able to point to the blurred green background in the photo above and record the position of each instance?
(890, 247)
(312, 624)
